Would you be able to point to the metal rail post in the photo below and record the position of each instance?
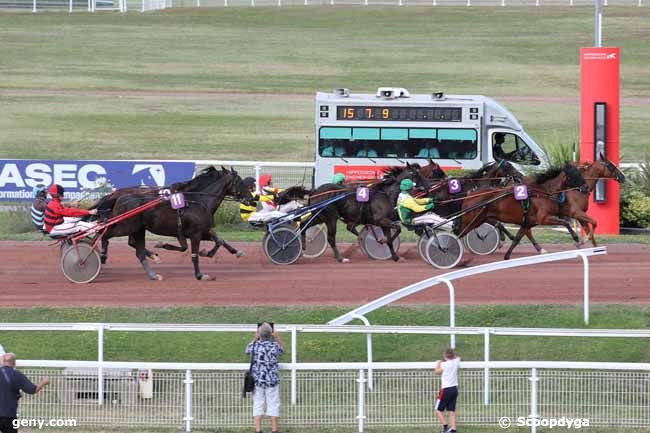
(486, 371)
(294, 360)
(362, 400)
(257, 164)
(188, 400)
(585, 287)
(34, 6)
(366, 322)
(452, 310)
(70, 6)
(533, 399)
(100, 369)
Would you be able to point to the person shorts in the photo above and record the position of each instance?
(447, 399)
(266, 401)
(7, 425)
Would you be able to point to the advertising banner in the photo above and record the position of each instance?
(86, 179)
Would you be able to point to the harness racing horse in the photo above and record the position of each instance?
(194, 222)
(379, 210)
(577, 201)
(106, 203)
(541, 208)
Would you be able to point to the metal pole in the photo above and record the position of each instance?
(34, 6)
(585, 287)
(598, 35)
(257, 164)
(533, 399)
(366, 322)
(486, 371)
(503, 2)
(362, 389)
(100, 370)
(188, 400)
(294, 360)
(70, 6)
(452, 310)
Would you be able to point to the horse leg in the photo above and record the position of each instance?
(196, 242)
(331, 239)
(150, 254)
(165, 246)
(552, 220)
(352, 228)
(529, 235)
(515, 242)
(218, 242)
(502, 228)
(138, 239)
(390, 237)
(104, 252)
(588, 223)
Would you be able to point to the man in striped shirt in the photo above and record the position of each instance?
(38, 206)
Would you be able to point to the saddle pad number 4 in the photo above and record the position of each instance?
(454, 186)
(363, 194)
(521, 192)
(177, 200)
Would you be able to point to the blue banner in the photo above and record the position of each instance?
(86, 179)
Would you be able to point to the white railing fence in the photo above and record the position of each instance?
(150, 5)
(285, 174)
(194, 396)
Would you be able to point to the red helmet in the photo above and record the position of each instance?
(265, 180)
(55, 190)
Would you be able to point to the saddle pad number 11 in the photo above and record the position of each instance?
(521, 192)
(177, 200)
(454, 186)
(363, 194)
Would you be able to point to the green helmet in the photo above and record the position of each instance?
(406, 185)
(338, 178)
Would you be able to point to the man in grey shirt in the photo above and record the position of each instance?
(12, 382)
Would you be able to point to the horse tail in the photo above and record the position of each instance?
(293, 193)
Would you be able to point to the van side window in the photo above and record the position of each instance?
(512, 148)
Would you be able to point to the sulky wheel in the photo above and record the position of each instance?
(444, 250)
(483, 240)
(80, 263)
(315, 241)
(422, 246)
(370, 238)
(283, 246)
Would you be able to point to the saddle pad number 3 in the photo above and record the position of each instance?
(454, 186)
(363, 194)
(177, 200)
(521, 192)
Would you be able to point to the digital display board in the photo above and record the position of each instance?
(404, 114)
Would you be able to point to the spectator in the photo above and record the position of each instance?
(12, 382)
(38, 206)
(266, 349)
(449, 390)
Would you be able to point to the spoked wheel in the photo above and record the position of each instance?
(80, 263)
(422, 246)
(444, 250)
(483, 240)
(315, 241)
(283, 246)
(369, 239)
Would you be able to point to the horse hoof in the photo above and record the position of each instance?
(344, 260)
(401, 260)
(103, 260)
(156, 277)
(159, 244)
(156, 258)
(543, 251)
(203, 253)
(204, 277)
(239, 254)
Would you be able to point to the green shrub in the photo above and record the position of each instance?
(560, 153)
(227, 216)
(16, 221)
(635, 209)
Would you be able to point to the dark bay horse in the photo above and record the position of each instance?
(379, 210)
(195, 222)
(541, 208)
(106, 204)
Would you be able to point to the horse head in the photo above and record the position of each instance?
(236, 187)
(433, 171)
(608, 169)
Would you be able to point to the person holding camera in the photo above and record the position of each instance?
(448, 371)
(265, 353)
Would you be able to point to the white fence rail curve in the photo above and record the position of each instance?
(207, 395)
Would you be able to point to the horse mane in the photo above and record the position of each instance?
(547, 175)
(574, 175)
(478, 173)
(397, 170)
(201, 181)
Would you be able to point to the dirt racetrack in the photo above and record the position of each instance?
(30, 276)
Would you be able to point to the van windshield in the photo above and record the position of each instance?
(411, 143)
(513, 148)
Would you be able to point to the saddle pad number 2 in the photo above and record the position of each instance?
(363, 194)
(177, 200)
(521, 192)
(454, 186)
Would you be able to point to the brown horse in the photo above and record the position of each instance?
(541, 208)
(577, 201)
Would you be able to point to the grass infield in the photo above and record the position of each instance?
(228, 347)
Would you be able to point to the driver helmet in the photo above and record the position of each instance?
(38, 189)
(249, 182)
(338, 178)
(55, 190)
(265, 180)
(406, 185)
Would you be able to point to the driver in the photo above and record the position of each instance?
(268, 199)
(497, 150)
(38, 206)
(62, 220)
(407, 206)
